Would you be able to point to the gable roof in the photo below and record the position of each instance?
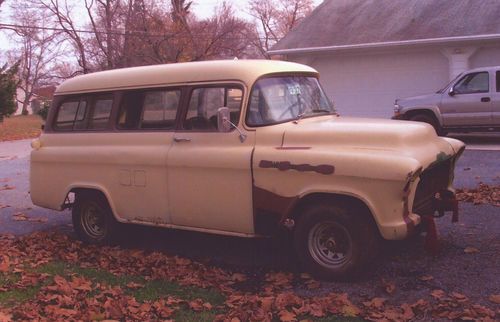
(346, 23)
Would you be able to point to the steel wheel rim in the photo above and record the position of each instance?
(93, 221)
(330, 244)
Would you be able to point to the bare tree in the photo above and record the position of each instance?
(275, 18)
(63, 14)
(38, 48)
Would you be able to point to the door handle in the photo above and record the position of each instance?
(182, 140)
(485, 99)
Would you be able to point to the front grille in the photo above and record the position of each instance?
(432, 180)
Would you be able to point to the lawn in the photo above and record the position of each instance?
(20, 127)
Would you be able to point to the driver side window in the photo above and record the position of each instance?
(473, 83)
(204, 103)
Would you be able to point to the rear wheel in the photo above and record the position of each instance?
(92, 219)
(333, 243)
(429, 120)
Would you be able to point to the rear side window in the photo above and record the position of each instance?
(498, 81)
(84, 113)
(71, 115)
(100, 113)
(151, 109)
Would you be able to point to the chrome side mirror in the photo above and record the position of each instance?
(224, 123)
(451, 92)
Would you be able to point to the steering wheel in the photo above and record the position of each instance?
(288, 110)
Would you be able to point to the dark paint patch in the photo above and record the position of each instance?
(270, 209)
(286, 165)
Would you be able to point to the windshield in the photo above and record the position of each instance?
(280, 99)
(448, 85)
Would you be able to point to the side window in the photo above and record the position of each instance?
(155, 109)
(100, 113)
(204, 103)
(71, 115)
(473, 83)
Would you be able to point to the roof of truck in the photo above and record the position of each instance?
(247, 71)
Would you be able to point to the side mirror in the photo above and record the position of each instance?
(224, 123)
(222, 120)
(451, 92)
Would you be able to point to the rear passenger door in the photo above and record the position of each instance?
(145, 126)
(209, 172)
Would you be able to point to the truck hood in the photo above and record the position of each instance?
(421, 100)
(402, 138)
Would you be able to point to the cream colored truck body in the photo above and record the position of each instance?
(213, 182)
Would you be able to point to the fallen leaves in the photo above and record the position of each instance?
(76, 297)
(24, 217)
(7, 187)
(483, 194)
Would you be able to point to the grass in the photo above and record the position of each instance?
(150, 291)
(20, 127)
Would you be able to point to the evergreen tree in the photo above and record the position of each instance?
(8, 86)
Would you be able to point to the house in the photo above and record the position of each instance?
(370, 52)
(41, 95)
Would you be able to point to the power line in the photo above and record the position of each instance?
(138, 33)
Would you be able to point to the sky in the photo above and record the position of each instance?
(202, 9)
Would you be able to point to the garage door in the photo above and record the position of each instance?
(368, 84)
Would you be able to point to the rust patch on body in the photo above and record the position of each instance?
(286, 165)
(270, 209)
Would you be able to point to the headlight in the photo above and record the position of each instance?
(397, 108)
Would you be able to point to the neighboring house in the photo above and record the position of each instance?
(40, 96)
(370, 52)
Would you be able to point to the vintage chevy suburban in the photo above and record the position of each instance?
(239, 148)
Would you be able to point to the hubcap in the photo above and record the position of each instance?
(330, 244)
(92, 220)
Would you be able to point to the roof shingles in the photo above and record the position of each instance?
(352, 22)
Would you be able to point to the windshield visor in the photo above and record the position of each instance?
(281, 99)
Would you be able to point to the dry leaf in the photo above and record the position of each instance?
(4, 317)
(471, 250)
(20, 217)
(287, 316)
(495, 298)
(4, 263)
(426, 278)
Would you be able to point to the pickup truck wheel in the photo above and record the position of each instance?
(92, 219)
(429, 120)
(331, 243)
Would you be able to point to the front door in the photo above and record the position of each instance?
(209, 172)
(495, 100)
(470, 104)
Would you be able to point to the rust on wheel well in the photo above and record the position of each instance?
(70, 199)
(345, 201)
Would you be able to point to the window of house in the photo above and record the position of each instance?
(204, 103)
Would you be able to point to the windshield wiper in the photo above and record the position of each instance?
(319, 110)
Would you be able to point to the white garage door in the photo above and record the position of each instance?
(368, 84)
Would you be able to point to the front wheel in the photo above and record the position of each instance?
(92, 219)
(332, 243)
(429, 120)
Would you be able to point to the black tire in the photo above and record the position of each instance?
(93, 220)
(334, 244)
(429, 120)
